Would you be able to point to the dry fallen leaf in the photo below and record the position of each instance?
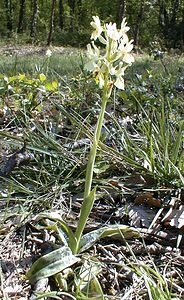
(147, 198)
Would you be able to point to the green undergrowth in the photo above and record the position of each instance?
(48, 110)
(66, 62)
(54, 115)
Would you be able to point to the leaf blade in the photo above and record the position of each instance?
(51, 264)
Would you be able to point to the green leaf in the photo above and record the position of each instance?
(53, 295)
(177, 144)
(51, 264)
(21, 77)
(86, 208)
(100, 167)
(87, 282)
(48, 86)
(116, 231)
(94, 292)
(51, 86)
(42, 77)
(30, 81)
(13, 78)
(96, 288)
(54, 85)
(61, 224)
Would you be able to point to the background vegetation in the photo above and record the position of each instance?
(66, 22)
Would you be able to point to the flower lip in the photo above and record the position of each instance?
(119, 83)
(96, 24)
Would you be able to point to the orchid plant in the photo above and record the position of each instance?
(108, 69)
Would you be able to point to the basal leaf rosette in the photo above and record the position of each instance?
(112, 61)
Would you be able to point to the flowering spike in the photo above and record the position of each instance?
(117, 56)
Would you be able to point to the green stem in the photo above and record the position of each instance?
(93, 151)
(88, 201)
(89, 195)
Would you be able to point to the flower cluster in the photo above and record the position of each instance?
(116, 57)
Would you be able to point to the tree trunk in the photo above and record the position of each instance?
(120, 12)
(168, 22)
(34, 19)
(9, 16)
(72, 14)
(163, 16)
(21, 16)
(61, 13)
(173, 28)
(182, 32)
(51, 22)
(138, 23)
(79, 9)
(174, 12)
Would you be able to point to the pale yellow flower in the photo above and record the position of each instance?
(119, 83)
(97, 26)
(124, 50)
(124, 28)
(128, 58)
(93, 53)
(90, 65)
(93, 56)
(112, 31)
(115, 59)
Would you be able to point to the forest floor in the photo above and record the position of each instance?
(32, 50)
(131, 264)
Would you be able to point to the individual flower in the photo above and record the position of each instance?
(119, 83)
(112, 31)
(48, 53)
(98, 75)
(128, 58)
(93, 55)
(97, 26)
(126, 46)
(124, 50)
(124, 28)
